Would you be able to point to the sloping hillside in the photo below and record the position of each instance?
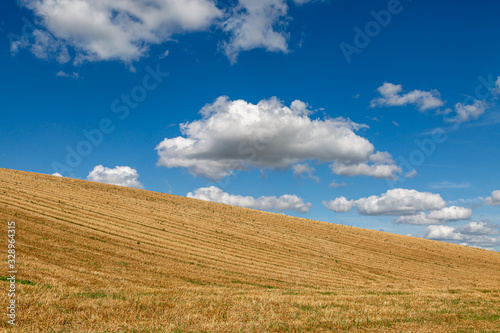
(93, 257)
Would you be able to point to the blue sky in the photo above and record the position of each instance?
(396, 101)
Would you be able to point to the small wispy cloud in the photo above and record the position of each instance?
(492, 118)
(392, 95)
(446, 184)
(164, 54)
(466, 201)
(334, 184)
(377, 119)
(468, 112)
(304, 171)
(73, 75)
(411, 174)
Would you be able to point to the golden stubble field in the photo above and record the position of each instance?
(100, 258)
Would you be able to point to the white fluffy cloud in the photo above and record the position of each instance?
(412, 207)
(409, 207)
(237, 135)
(392, 96)
(497, 86)
(120, 175)
(388, 171)
(284, 202)
(440, 216)
(452, 213)
(256, 24)
(124, 30)
(479, 228)
(494, 200)
(380, 165)
(339, 205)
(400, 202)
(469, 112)
(477, 234)
(442, 232)
(108, 29)
(419, 219)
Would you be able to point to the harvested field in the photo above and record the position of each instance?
(101, 258)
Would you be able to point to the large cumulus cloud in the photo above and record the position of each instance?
(238, 135)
